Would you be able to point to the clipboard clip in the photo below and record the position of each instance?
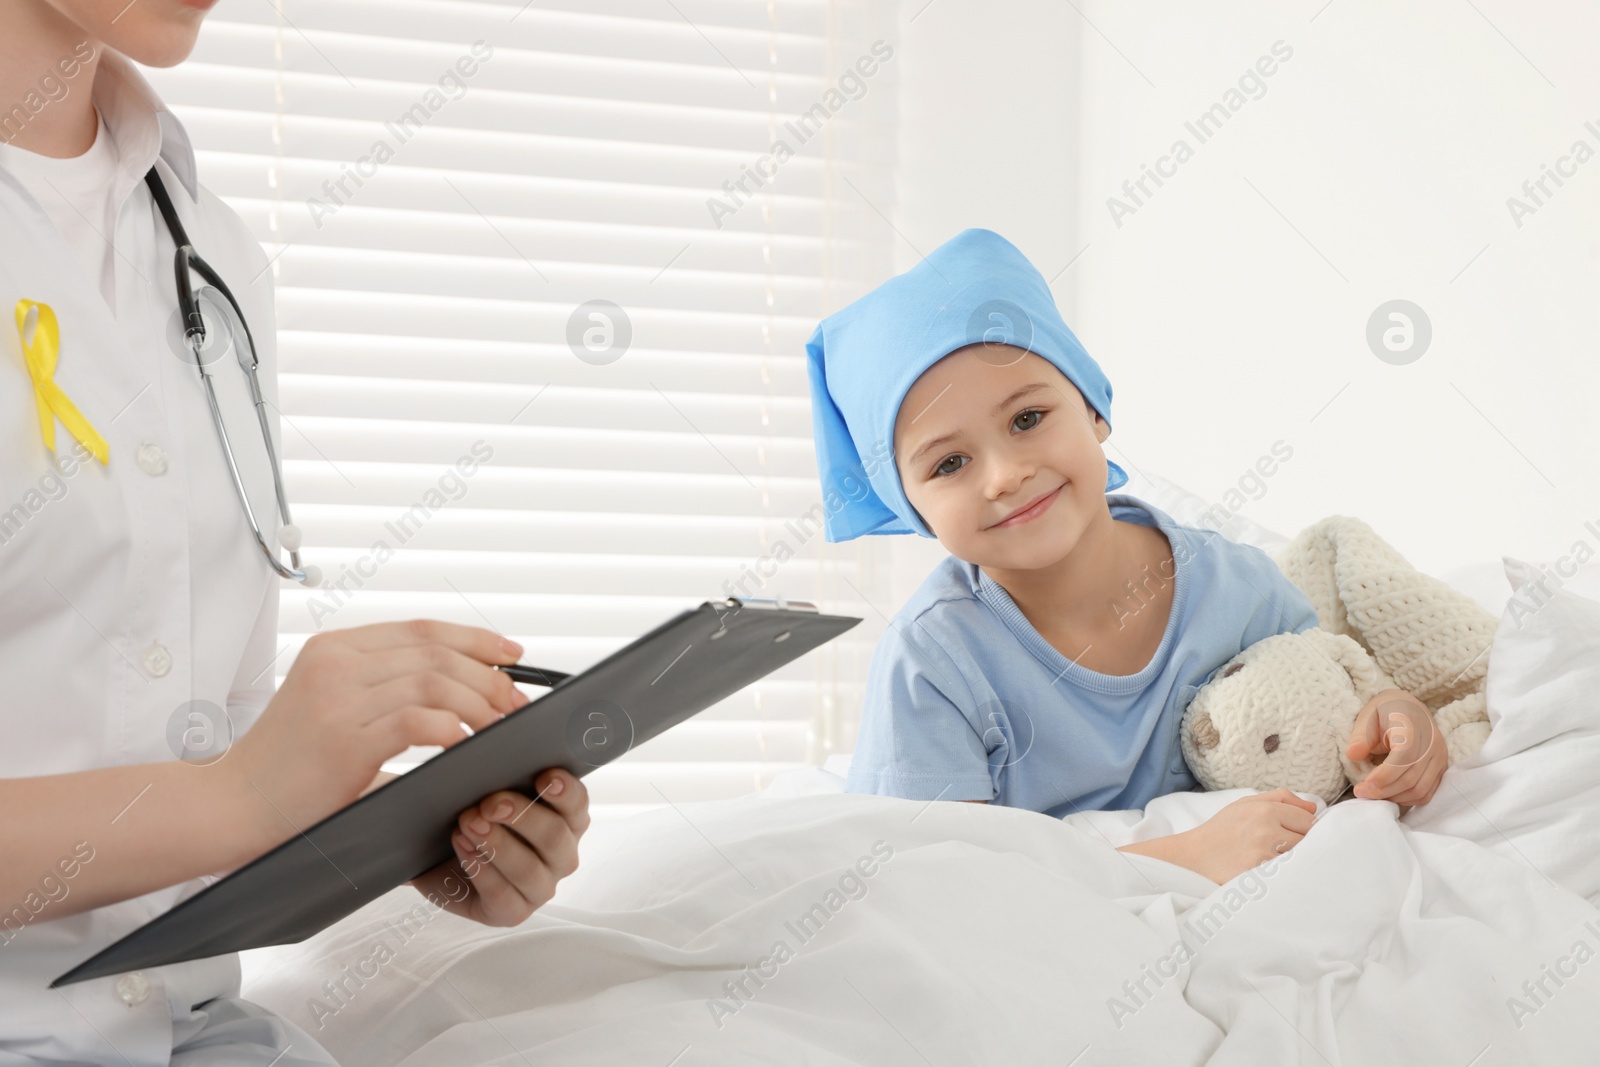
(733, 605)
(770, 603)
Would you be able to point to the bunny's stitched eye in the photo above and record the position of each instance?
(1271, 743)
(1235, 668)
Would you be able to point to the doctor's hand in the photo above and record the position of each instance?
(1396, 730)
(354, 698)
(511, 851)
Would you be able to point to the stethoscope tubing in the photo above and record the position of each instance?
(184, 260)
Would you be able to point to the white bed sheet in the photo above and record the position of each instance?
(1000, 936)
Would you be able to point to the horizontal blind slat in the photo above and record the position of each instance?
(638, 410)
(527, 366)
(532, 319)
(689, 450)
(537, 530)
(371, 490)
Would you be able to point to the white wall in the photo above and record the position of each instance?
(1232, 306)
(989, 104)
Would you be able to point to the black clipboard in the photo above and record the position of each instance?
(402, 829)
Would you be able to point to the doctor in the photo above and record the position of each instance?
(132, 584)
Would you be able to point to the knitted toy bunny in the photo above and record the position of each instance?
(1280, 713)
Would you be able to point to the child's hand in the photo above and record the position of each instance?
(1246, 834)
(511, 869)
(1397, 728)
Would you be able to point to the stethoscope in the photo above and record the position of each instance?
(194, 335)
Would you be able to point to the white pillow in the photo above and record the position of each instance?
(1532, 792)
(1193, 510)
(1484, 582)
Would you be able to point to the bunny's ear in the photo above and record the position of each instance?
(1365, 674)
(1309, 562)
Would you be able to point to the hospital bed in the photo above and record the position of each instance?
(808, 926)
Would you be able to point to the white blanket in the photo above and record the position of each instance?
(951, 933)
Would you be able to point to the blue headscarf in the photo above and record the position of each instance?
(864, 358)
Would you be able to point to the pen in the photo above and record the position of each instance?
(533, 675)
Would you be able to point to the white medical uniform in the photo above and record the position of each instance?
(127, 590)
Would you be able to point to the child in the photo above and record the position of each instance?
(1046, 663)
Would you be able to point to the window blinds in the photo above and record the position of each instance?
(545, 273)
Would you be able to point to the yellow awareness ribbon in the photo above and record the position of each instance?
(41, 354)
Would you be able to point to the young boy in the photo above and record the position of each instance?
(1046, 663)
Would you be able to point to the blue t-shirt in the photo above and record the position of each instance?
(966, 700)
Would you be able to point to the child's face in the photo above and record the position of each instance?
(1006, 449)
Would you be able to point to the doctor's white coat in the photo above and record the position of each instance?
(128, 590)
